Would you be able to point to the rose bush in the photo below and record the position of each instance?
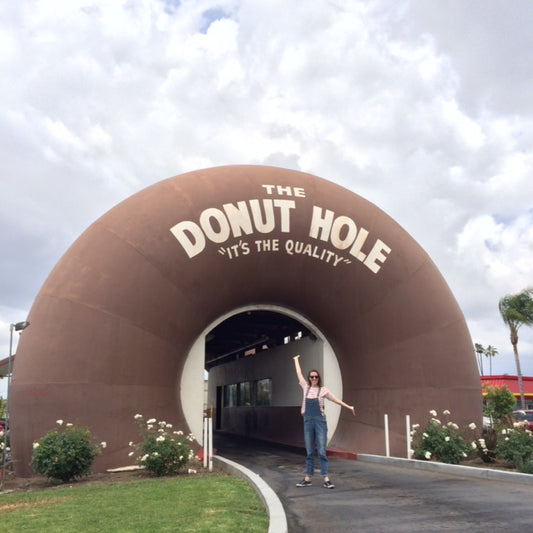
(515, 445)
(65, 453)
(4, 441)
(162, 450)
(448, 443)
(438, 441)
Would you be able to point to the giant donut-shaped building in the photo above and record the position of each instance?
(120, 325)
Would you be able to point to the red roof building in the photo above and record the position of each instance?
(512, 385)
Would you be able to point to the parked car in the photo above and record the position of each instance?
(524, 415)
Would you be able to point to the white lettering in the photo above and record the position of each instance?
(319, 223)
(284, 190)
(214, 234)
(236, 250)
(267, 245)
(377, 255)
(289, 247)
(264, 216)
(336, 230)
(266, 224)
(239, 218)
(190, 236)
(285, 207)
(358, 244)
(342, 232)
(235, 220)
(269, 188)
(314, 251)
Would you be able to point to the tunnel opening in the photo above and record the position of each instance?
(245, 360)
(249, 384)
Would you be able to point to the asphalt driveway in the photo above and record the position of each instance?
(377, 497)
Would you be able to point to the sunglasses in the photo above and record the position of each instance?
(313, 377)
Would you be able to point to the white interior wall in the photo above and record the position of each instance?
(276, 364)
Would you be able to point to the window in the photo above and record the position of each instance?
(264, 391)
(245, 393)
(248, 393)
(230, 395)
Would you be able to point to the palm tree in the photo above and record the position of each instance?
(517, 310)
(490, 352)
(478, 348)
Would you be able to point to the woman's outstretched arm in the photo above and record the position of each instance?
(298, 368)
(341, 403)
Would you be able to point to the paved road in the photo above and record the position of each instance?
(371, 497)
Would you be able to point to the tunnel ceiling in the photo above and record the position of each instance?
(247, 331)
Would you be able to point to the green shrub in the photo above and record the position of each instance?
(161, 451)
(499, 403)
(65, 453)
(445, 443)
(527, 467)
(7, 445)
(516, 446)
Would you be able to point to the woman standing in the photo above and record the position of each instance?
(315, 425)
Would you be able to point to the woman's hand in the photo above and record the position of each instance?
(297, 367)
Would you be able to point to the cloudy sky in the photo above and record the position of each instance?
(423, 107)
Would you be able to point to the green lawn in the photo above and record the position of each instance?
(179, 504)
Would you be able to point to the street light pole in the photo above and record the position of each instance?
(19, 326)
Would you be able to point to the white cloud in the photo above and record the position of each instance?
(423, 110)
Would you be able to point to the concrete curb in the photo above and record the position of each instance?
(458, 470)
(276, 513)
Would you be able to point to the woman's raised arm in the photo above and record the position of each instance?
(298, 368)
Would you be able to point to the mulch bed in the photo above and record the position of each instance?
(13, 483)
(497, 464)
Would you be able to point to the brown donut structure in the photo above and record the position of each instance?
(114, 322)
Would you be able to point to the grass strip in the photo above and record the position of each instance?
(184, 504)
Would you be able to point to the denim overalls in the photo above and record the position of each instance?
(315, 430)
